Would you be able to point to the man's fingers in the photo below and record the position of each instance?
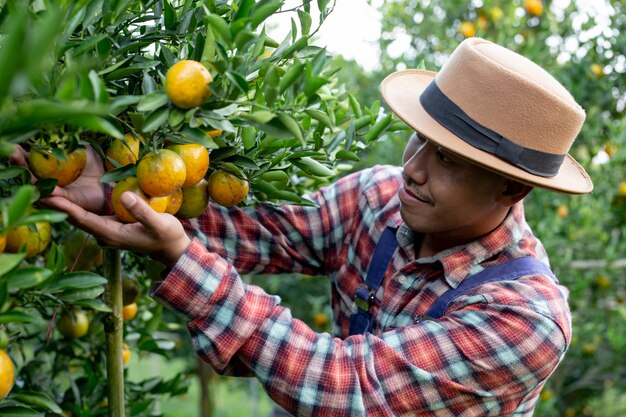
(141, 210)
(103, 228)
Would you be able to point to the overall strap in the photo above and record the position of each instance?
(365, 295)
(511, 270)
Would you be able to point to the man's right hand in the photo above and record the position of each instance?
(87, 191)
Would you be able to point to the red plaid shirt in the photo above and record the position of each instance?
(488, 356)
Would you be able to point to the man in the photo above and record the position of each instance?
(489, 127)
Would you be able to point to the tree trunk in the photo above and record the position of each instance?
(206, 403)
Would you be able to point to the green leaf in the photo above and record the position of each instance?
(313, 167)
(15, 316)
(96, 305)
(263, 11)
(261, 116)
(242, 161)
(20, 203)
(17, 411)
(38, 399)
(27, 277)
(43, 215)
(305, 22)
(248, 137)
(156, 119)
(238, 80)
(11, 172)
(11, 52)
(220, 27)
(153, 101)
(8, 261)
(99, 89)
(291, 125)
(347, 155)
(320, 116)
(148, 85)
(169, 15)
(275, 176)
(76, 280)
(117, 174)
(72, 296)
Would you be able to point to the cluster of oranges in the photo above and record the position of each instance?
(468, 28)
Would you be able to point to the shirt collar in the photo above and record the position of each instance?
(459, 261)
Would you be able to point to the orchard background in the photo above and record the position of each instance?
(290, 117)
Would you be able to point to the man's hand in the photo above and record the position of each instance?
(161, 236)
(87, 191)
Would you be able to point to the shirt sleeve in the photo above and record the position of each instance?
(482, 359)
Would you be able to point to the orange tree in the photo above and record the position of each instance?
(272, 112)
(584, 49)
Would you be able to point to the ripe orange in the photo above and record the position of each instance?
(3, 242)
(196, 158)
(160, 173)
(195, 200)
(175, 200)
(481, 23)
(158, 204)
(125, 354)
(7, 374)
(320, 319)
(467, 29)
(73, 324)
(44, 165)
(534, 7)
(124, 152)
(129, 311)
(602, 281)
(597, 70)
(562, 211)
(33, 239)
(622, 188)
(546, 395)
(187, 84)
(227, 189)
(213, 133)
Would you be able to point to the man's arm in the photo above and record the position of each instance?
(482, 359)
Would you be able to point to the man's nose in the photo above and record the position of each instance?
(416, 167)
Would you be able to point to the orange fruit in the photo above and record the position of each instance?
(602, 281)
(195, 200)
(467, 29)
(213, 133)
(227, 189)
(158, 204)
(129, 311)
(187, 84)
(496, 14)
(562, 211)
(175, 200)
(73, 324)
(534, 7)
(597, 70)
(130, 291)
(320, 319)
(546, 395)
(622, 188)
(7, 374)
(3, 242)
(44, 165)
(125, 354)
(481, 23)
(196, 158)
(82, 251)
(124, 152)
(161, 172)
(33, 239)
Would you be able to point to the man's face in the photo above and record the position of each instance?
(446, 196)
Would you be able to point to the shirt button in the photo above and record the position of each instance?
(402, 279)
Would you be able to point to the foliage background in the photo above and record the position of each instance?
(583, 235)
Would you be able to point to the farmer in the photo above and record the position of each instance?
(443, 301)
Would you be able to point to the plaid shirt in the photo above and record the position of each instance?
(488, 356)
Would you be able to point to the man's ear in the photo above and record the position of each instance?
(513, 192)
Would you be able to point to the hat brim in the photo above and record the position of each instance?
(401, 91)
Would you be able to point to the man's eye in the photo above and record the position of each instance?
(442, 156)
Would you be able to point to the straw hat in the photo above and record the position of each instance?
(497, 109)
